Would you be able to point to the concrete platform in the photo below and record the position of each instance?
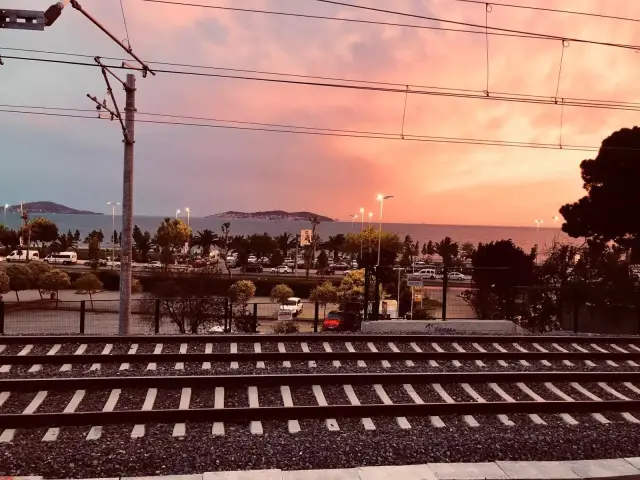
(619, 468)
(432, 326)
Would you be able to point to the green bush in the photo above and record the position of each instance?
(288, 326)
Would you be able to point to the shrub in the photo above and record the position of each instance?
(280, 293)
(286, 326)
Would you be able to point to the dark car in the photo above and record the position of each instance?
(325, 271)
(341, 321)
(341, 266)
(253, 268)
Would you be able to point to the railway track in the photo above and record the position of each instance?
(311, 401)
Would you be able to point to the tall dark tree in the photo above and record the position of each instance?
(431, 248)
(142, 243)
(608, 210)
(448, 250)
(262, 245)
(335, 244)
(286, 242)
(205, 239)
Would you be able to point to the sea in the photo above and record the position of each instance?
(525, 237)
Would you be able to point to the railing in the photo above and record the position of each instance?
(149, 316)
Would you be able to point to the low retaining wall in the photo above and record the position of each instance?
(432, 326)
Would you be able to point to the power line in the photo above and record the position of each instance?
(553, 10)
(124, 20)
(516, 98)
(503, 32)
(290, 129)
(485, 27)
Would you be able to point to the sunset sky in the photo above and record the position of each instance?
(79, 162)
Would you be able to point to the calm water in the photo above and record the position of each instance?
(525, 237)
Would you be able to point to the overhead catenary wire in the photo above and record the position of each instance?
(476, 25)
(503, 32)
(403, 86)
(553, 10)
(124, 20)
(517, 98)
(334, 132)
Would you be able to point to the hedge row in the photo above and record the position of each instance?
(213, 285)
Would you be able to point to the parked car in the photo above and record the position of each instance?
(341, 266)
(341, 321)
(252, 268)
(96, 263)
(456, 276)
(154, 264)
(325, 271)
(293, 305)
(428, 272)
(64, 258)
(281, 269)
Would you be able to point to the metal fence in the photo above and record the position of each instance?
(153, 316)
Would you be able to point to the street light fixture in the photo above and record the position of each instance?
(177, 213)
(353, 217)
(538, 223)
(113, 227)
(381, 198)
(188, 210)
(370, 216)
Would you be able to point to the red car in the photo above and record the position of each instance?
(341, 321)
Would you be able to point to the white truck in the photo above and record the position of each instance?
(293, 305)
(21, 256)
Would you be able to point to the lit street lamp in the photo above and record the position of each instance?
(361, 229)
(188, 210)
(370, 216)
(538, 223)
(113, 228)
(353, 217)
(381, 198)
(177, 213)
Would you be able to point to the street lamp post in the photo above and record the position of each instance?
(538, 223)
(381, 198)
(555, 219)
(188, 210)
(177, 213)
(113, 228)
(361, 229)
(370, 216)
(353, 217)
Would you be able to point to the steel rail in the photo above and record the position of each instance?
(212, 381)
(37, 420)
(310, 356)
(311, 337)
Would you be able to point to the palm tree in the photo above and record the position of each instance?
(205, 239)
(285, 242)
(143, 243)
(335, 244)
(448, 250)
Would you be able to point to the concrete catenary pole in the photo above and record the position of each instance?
(124, 319)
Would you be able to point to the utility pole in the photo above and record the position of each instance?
(124, 318)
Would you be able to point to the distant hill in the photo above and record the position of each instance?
(271, 215)
(49, 207)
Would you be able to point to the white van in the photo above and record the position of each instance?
(64, 258)
(429, 273)
(21, 256)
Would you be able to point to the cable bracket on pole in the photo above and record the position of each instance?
(114, 114)
(404, 111)
(487, 10)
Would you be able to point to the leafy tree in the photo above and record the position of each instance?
(448, 250)
(280, 293)
(205, 239)
(19, 278)
(54, 281)
(136, 286)
(76, 236)
(467, 249)
(351, 289)
(335, 244)
(37, 270)
(408, 251)
(431, 248)
(277, 258)
(171, 237)
(88, 284)
(97, 234)
(323, 260)
(323, 294)
(240, 293)
(43, 231)
(424, 252)
(64, 242)
(191, 307)
(9, 238)
(262, 245)
(5, 284)
(497, 268)
(94, 250)
(606, 212)
(143, 243)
